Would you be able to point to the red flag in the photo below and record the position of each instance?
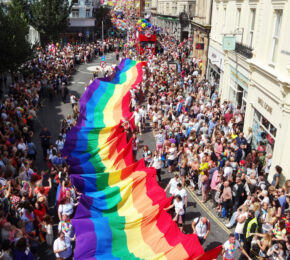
(211, 254)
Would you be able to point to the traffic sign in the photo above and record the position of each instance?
(103, 64)
(103, 58)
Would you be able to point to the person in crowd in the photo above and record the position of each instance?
(276, 177)
(250, 227)
(157, 164)
(47, 226)
(179, 211)
(183, 194)
(172, 185)
(62, 246)
(230, 247)
(264, 244)
(201, 227)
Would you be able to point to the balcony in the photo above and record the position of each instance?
(244, 50)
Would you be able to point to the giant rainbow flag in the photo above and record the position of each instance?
(121, 211)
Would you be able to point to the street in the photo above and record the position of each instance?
(54, 112)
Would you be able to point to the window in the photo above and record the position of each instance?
(217, 19)
(276, 34)
(75, 2)
(224, 20)
(252, 27)
(238, 17)
(88, 13)
(75, 12)
(264, 132)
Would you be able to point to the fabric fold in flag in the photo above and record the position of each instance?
(121, 211)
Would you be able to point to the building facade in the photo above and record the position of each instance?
(201, 24)
(165, 14)
(82, 20)
(256, 75)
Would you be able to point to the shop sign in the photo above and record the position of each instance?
(229, 43)
(263, 104)
(242, 80)
(199, 46)
(216, 57)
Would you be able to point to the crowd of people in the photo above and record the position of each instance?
(29, 206)
(199, 139)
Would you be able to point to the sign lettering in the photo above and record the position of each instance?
(263, 104)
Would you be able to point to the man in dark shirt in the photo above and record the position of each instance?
(241, 139)
(238, 194)
(45, 141)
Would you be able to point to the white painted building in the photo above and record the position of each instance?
(165, 14)
(82, 20)
(256, 76)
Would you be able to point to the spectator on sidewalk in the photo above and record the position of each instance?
(229, 249)
(201, 227)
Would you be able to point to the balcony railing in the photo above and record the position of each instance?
(244, 50)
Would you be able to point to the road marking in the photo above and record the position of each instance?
(85, 72)
(208, 211)
(81, 82)
(72, 82)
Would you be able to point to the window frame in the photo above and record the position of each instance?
(253, 13)
(275, 35)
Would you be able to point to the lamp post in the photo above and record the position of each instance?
(102, 30)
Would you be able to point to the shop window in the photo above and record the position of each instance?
(238, 96)
(264, 133)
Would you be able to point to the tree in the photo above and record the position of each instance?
(49, 17)
(14, 44)
(103, 14)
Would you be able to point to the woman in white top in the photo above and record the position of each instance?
(173, 184)
(241, 219)
(59, 143)
(66, 207)
(171, 156)
(179, 211)
(157, 163)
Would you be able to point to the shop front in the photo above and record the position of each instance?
(269, 123)
(238, 89)
(215, 67)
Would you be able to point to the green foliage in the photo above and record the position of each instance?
(49, 17)
(103, 13)
(14, 29)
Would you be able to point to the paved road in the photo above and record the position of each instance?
(54, 112)
(50, 116)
